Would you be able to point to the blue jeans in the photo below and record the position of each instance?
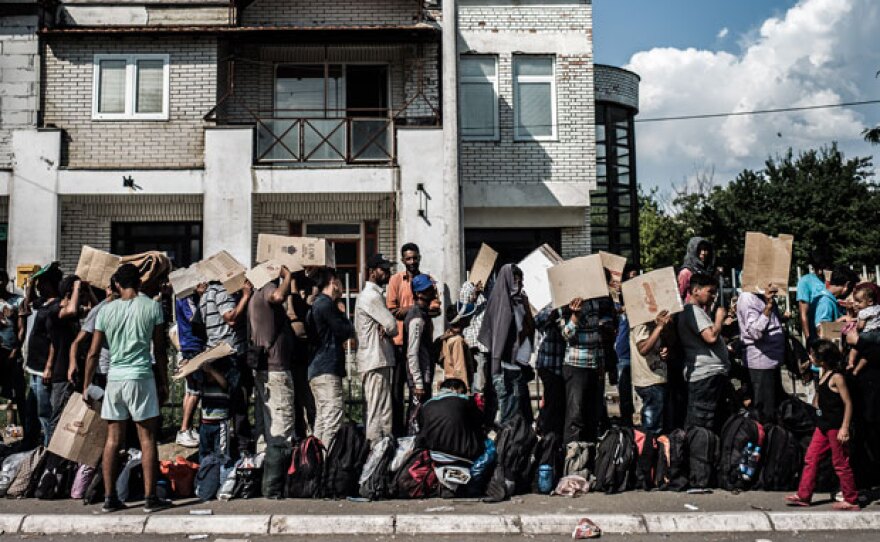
(40, 396)
(214, 438)
(653, 399)
(507, 389)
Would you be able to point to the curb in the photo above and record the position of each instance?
(428, 524)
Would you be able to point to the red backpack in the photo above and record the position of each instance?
(416, 478)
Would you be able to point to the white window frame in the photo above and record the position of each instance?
(517, 80)
(130, 112)
(496, 134)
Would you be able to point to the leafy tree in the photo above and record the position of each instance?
(662, 239)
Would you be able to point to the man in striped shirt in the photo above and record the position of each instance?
(225, 319)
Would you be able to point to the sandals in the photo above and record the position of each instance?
(794, 500)
(846, 507)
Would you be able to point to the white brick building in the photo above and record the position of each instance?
(194, 125)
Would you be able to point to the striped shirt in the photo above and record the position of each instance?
(214, 304)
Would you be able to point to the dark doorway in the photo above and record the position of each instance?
(182, 241)
(366, 90)
(512, 244)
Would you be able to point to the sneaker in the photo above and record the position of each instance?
(154, 504)
(186, 439)
(112, 504)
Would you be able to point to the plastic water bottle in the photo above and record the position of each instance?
(744, 462)
(754, 458)
(545, 479)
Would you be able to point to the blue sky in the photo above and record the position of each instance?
(718, 56)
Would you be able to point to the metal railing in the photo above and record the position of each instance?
(289, 138)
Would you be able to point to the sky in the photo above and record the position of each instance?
(716, 56)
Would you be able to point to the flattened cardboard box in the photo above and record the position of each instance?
(648, 295)
(535, 281)
(483, 265)
(222, 350)
(185, 280)
(264, 273)
(223, 267)
(766, 260)
(96, 266)
(295, 252)
(582, 277)
(80, 434)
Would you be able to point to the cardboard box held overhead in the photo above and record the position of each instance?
(766, 261)
(96, 266)
(264, 273)
(185, 280)
(648, 295)
(222, 350)
(582, 277)
(223, 267)
(295, 252)
(535, 281)
(483, 265)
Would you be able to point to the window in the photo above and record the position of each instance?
(534, 94)
(182, 241)
(130, 87)
(479, 97)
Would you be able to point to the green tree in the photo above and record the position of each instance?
(662, 238)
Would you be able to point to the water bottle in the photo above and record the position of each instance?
(754, 458)
(545, 479)
(744, 461)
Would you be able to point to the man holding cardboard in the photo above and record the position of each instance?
(136, 386)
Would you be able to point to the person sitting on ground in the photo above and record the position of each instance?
(455, 355)
(136, 386)
(835, 414)
(451, 423)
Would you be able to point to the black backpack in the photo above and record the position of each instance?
(648, 464)
(677, 477)
(275, 465)
(130, 483)
(416, 479)
(56, 479)
(796, 416)
(375, 480)
(306, 470)
(616, 461)
(548, 451)
(737, 433)
(704, 452)
(515, 446)
(781, 460)
(345, 459)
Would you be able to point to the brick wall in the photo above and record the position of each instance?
(273, 212)
(526, 18)
(177, 142)
(617, 85)
(86, 220)
(331, 12)
(19, 79)
(576, 241)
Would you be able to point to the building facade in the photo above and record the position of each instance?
(192, 126)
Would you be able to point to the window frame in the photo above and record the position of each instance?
(527, 79)
(462, 80)
(131, 87)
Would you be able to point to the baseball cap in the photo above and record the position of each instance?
(420, 283)
(378, 261)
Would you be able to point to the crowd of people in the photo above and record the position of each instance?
(280, 394)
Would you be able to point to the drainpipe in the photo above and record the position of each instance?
(452, 201)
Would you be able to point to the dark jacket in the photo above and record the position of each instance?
(329, 328)
(451, 423)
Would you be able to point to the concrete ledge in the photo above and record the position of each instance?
(207, 524)
(419, 524)
(10, 523)
(714, 522)
(564, 524)
(83, 524)
(824, 521)
(332, 525)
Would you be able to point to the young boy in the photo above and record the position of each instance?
(455, 355)
(215, 380)
(649, 349)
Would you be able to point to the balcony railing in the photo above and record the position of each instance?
(287, 138)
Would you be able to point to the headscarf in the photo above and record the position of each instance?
(692, 257)
(500, 319)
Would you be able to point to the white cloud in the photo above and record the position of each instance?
(819, 52)
(723, 33)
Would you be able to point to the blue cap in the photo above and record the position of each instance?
(420, 283)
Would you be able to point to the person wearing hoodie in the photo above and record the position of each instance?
(699, 260)
(508, 332)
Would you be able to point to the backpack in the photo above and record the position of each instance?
(306, 469)
(796, 416)
(416, 479)
(130, 483)
(375, 479)
(661, 467)
(81, 481)
(181, 474)
(616, 461)
(781, 460)
(95, 490)
(737, 433)
(549, 452)
(578, 456)
(208, 477)
(25, 480)
(227, 480)
(646, 462)
(677, 477)
(704, 452)
(345, 459)
(275, 466)
(56, 479)
(515, 446)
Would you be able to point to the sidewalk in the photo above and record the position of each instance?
(633, 512)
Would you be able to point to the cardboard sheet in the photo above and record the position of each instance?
(483, 265)
(295, 252)
(582, 277)
(535, 281)
(648, 295)
(766, 261)
(96, 266)
(222, 350)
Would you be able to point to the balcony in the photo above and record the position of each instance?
(287, 138)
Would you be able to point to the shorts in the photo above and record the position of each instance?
(137, 400)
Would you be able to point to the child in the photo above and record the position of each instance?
(215, 379)
(868, 311)
(832, 429)
(455, 355)
(649, 347)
